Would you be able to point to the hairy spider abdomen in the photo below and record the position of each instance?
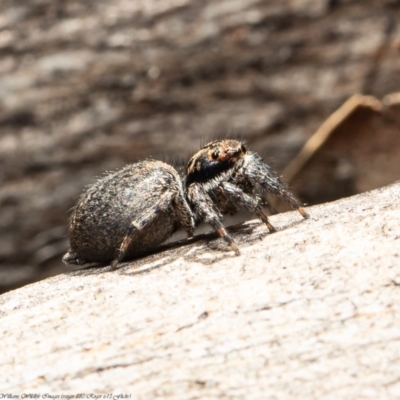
(127, 213)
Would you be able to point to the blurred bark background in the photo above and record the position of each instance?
(88, 86)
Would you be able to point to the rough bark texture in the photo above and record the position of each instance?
(87, 86)
(309, 312)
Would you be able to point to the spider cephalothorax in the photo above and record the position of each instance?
(215, 161)
(224, 177)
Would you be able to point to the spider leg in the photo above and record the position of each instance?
(180, 209)
(183, 213)
(245, 201)
(72, 257)
(263, 175)
(202, 205)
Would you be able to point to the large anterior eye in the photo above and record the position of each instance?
(243, 148)
(215, 154)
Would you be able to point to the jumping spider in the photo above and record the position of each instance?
(224, 177)
(140, 206)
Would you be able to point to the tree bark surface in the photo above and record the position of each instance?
(308, 312)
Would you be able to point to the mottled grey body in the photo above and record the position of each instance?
(127, 213)
(133, 210)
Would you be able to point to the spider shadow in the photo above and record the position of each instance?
(161, 256)
(165, 254)
(144, 258)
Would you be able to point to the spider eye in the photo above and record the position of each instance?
(215, 154)
(243, 148)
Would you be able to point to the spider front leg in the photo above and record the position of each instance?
(245, 201)
(261, 174)
(203, 208)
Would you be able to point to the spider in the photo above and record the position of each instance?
(127, 213)
(224, 177)
(133, 210)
